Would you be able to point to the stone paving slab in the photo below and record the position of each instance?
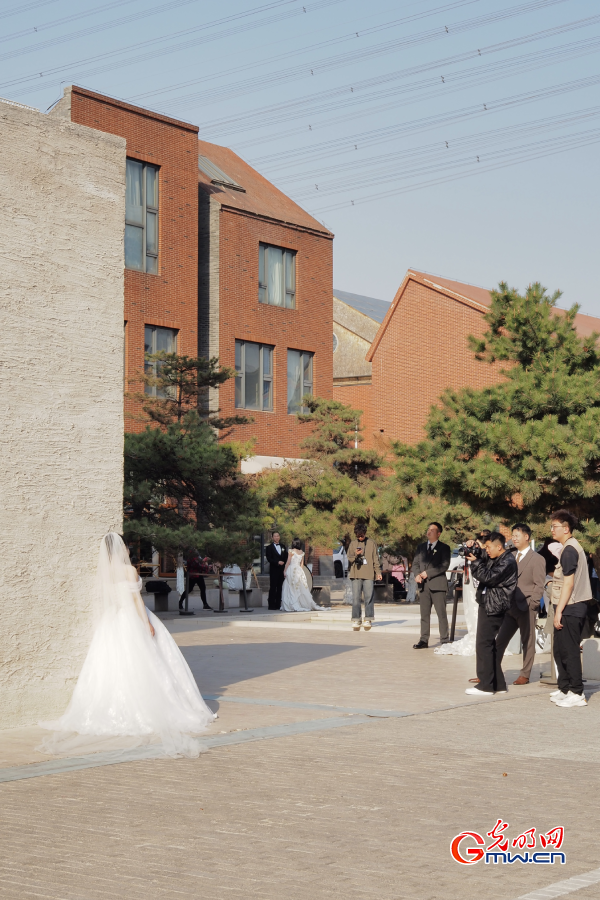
(361, 811)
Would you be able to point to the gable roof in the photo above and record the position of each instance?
(469, 294)
(252, 193)
(368, 306)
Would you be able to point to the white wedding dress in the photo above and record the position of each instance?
(466, 645)
(295, 596)
(133, 688)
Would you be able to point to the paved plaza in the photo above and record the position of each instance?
(341, 766)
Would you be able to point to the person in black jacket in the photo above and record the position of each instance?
(497, 572)
(277, 556)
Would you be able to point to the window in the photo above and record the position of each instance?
(155, 340)
(300, 379)
(253, 376)
(276, 276)
(141, 217)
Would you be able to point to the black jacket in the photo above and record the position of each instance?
(499, 578)
(436, 565)
(274, 559)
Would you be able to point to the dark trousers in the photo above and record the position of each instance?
(489, 660)
(437, 599)
(193, 581)
(567, 654)
(522, 620)
(275, 587)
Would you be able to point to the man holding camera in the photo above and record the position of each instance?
(431, 562)
(364, 570)
(497, 572)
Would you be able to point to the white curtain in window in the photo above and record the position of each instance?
(294, 374)
(276, 284)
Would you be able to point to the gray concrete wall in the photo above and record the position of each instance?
(62, 188)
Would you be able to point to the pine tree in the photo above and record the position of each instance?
(322, 497)
(183, 487)
(526, 446)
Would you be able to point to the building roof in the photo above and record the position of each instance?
(473, 296)
(249, 191)
(368, 306)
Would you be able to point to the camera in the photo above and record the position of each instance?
(463, 550)
(359, 561)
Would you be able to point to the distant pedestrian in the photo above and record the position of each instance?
(431, 562)
(364, 571)
(571, 591)
(197, 568)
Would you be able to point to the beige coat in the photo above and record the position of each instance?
(371, 569)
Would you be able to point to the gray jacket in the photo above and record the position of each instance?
(530, 585)
(436, 564)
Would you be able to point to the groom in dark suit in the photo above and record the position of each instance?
(277, 556)
(431, 562)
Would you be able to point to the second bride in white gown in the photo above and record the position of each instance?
(135, 687)
(296, 596)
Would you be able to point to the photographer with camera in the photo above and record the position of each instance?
(364, 570)
(497, 572)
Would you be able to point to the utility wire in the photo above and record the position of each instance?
(349, 144)
(355, 92)
(494, 162)
(409, 162)
(154, 53)
(15, 10)
(352, 57)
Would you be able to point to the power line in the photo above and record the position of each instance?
(357, 94)
(155, 53)
(388, 168)
(15, 10)
(304, 70)
(348, 144)
(528, 153)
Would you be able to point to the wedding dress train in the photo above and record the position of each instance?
(295, 596)
(466, 645)
(134, 688)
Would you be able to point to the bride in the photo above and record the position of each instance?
(296, 596)
(135, 685)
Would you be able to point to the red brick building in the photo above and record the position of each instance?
(421, 349)
(265, 300)
(218, 262)
(161, 226)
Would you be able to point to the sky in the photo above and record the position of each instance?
(455, 137)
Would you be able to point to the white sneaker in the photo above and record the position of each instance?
(478, 693)
(367, 624)
(555, 696)
(572, 699)
(356, 626)
(556, 693)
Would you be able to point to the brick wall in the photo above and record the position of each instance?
(307, 327)
(423, 351)
(169, 299)
(358, 396)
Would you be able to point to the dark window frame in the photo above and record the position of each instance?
(149, 261)
(263, 377)
(152, 366)
(288, 276)
(307, 385)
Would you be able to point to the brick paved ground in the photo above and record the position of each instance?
(364, 811)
